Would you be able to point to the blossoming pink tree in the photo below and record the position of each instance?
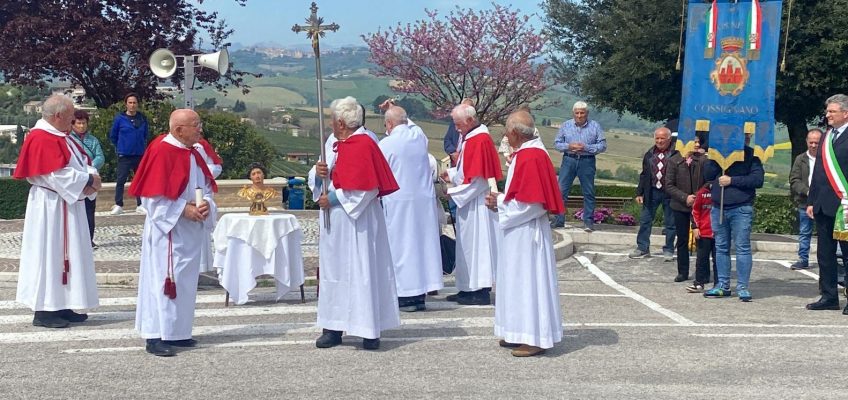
(486, 55)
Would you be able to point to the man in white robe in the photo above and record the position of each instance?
(171, 177)
(357, 281)
(215, 165)
(477, 166)
(411, 219)
(527, 313)
(56, 272)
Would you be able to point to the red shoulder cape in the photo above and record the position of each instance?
(42, 153)
(480, 159)
(164, 171)
(534, 181)
(360, 165)
(207, 147)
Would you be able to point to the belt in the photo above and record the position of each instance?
(579, 156)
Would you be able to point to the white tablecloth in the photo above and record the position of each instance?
(248, 246)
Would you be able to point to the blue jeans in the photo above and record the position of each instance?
(582, 168)
(805, 227)
(646, 219)
(737, 226)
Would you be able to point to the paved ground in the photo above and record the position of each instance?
(630, 332)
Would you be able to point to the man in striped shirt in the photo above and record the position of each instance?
(580, 140)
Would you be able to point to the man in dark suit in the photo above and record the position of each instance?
(823, 201)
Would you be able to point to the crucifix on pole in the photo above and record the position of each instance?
(315, 30)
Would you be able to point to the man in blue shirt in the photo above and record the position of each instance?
(129, 136)
(580, 140)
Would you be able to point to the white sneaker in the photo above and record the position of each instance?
(140, 210)
(117, 210)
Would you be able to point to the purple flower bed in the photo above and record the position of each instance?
(606, 215)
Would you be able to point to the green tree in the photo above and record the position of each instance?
(208, 103)
(239, 106)
(375, 105)
(621, 55)
(19, 136)
(236, 142)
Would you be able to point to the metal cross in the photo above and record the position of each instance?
(315, 30)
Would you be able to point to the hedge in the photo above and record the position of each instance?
(13, 198)
(772, 213)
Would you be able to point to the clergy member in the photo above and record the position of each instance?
(215, 165)
(411, 219)
(476, 227)
(56, 272)
(171, 180)
(357, 281)
(527, 313)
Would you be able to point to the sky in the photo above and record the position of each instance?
(264, 21)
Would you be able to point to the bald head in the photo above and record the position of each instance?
(520, 128)
(185, 125)
(395, 116)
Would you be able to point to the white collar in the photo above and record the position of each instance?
(533, 143)
(170, 139)
(47, 127)
(476, 131)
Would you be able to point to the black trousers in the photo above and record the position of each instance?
(125, 164)
(682, 220)
(706, 248)
(826, 257)
(89, 213)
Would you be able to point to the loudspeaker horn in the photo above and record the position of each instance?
(219, 61)
(163, 63)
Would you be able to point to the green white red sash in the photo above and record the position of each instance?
(712, 25)
(837, 181)
(755, 31)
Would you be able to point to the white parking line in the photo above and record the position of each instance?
(788, 264)
(766, 335)
(629, 293)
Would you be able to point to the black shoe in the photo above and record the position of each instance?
(159, 348)
(478, 298)
(457, 296)
(414, 307)
(329, 339)
(181, 343)
(48, 319)
(845, 310)
(681, 278)
(371, 344)
(71, 316)
(800, 265)
(823, 305)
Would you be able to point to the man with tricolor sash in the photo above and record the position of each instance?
(828, 201)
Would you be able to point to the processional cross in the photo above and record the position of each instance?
(315, 30)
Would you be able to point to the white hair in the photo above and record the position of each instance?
(396, 115)
(522, 123)
(580, 105)
(56, 104)
(464, 111)
(839, 99)
(348, 111)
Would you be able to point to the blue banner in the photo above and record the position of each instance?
(728, 77)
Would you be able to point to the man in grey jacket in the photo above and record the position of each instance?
(799, 187)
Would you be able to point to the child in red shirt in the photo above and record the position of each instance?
(703, 232)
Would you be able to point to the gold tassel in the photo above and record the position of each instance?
(680, 41)
(786, 37)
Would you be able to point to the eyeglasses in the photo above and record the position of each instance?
(198, 126)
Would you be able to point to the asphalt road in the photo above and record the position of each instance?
(630, 332)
